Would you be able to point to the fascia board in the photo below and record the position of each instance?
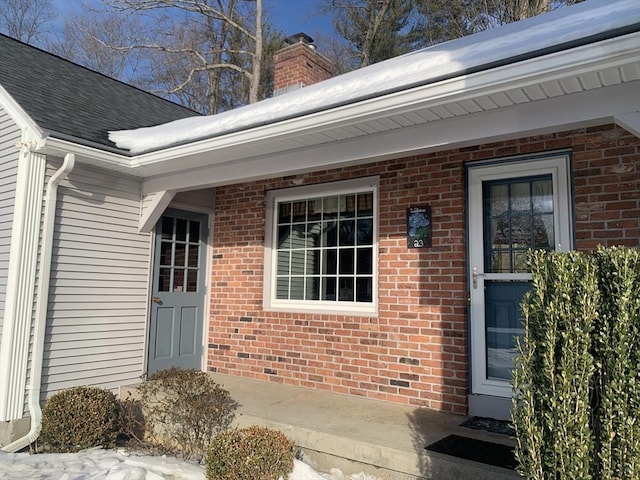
(608, 53)
(589, 108)
(58, 147)
(605, 54)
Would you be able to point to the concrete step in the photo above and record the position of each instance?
(360, 435)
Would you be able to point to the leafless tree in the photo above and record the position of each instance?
(441, 20)
(25, 20)
(88, 37)
(197, 46)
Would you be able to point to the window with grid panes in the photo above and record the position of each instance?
(323, 246)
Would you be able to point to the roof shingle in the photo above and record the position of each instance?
(68, 100)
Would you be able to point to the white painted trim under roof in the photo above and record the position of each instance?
(589, 58)
(154, 210)
(271, 149)
(594, 83)
(629, 121)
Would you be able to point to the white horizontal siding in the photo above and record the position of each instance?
(10, 136)
(98, 296)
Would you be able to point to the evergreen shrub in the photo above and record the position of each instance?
(78, 418)
(252, 453)
(576, 402)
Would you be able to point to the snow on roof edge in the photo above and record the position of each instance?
(537, 34)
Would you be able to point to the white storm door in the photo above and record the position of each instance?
(514, 206)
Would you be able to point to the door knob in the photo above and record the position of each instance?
(474, 276)
(156, 300)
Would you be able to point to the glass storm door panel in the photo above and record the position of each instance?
(177, 303)
(513, 207)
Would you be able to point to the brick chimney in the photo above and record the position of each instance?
(298, 65)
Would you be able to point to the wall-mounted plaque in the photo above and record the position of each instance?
(418, 227)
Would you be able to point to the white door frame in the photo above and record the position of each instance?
(558, 166)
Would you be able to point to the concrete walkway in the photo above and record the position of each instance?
(357, 434)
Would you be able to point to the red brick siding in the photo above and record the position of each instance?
(299, 63)
(415, 351)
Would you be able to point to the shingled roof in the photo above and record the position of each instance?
(72, 102)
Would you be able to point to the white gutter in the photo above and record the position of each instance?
(51, 200)
(611, 53)
(250, 142)
(57, 147)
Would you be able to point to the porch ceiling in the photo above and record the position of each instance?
(584, 86)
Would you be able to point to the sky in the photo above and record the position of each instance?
(98, 464)
(293, 16)
(289, 16)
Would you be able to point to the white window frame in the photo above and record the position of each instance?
(270, 302)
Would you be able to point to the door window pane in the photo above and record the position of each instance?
(192, 280)
(166, 253)
(179, 248)
(164, 280)
(513, 224)
(181, 229)
(194, 256)
(180, 254)
(178, 280)
(504, 323)
(167, 228)
(194, 231)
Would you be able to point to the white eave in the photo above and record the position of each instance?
(581, 86)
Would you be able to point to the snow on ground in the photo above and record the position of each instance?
(99, 464)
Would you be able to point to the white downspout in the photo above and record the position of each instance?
(48, 225)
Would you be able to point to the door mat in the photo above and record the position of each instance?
(503, 427)
(480, 451)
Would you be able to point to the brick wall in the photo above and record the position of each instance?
(415, 351)
(299, 65)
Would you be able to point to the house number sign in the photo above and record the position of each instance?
(418, 227)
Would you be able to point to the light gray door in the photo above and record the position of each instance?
(513, 207)
(177, 304)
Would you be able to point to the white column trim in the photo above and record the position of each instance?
(21, 280)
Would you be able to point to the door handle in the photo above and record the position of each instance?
(156, 300)
(475, 275)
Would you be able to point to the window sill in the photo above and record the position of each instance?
(343, 310)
